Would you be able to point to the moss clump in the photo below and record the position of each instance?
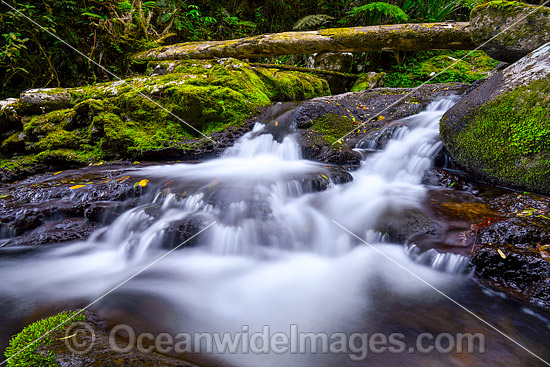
(27, 337)
(369, 81)
(508, 139)
(125, 120)
(332, 127)
(511, 8)
(442, 66)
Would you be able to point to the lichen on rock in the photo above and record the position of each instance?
(509, 30)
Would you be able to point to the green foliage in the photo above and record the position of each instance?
(312, 21)
(371, 14)
(28, 356)
(431, 10)
(439, 67)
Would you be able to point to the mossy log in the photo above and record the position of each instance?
(402, 37)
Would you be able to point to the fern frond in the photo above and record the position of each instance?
(312, 21)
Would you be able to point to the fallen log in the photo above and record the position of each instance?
(399, 37)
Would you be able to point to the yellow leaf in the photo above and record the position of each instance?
(77, 187)
(57, 173)
(276, 123)
(143, 182)
(326, 178)
(501, 253)
(381, 117)
(136, 162)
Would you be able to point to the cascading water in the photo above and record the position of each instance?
(272, 254)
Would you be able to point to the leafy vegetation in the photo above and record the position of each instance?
(108, 31)
(24, 341)
(439, 67)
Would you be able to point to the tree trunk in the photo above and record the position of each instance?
(402, 37)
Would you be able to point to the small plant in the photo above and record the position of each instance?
(430, 10)
(312, 21)
(24, 340)
(373, 13)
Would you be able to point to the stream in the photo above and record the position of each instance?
(271, 250)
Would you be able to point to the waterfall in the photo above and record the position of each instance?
(272, 255)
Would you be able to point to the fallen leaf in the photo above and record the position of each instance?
(276, 123)
(501, 253)
(143, 182)
(57, 173)
(381, 117)
(77, 187)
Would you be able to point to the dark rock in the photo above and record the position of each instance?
(450, 179)
(342, 114)
(509, 30)
(399, 226)
(64, 230)
(509, 251)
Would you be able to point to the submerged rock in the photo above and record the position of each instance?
(499, 131)
(509, 30)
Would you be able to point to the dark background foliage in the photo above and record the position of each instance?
(109, 30)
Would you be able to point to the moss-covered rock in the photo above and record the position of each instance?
(167, 113)
(509, 30)
(23, 348)
(332, 126)
(369, 81)
(500, 131)
(441, 67)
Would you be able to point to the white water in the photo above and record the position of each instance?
(273, 257)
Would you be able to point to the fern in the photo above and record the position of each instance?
(370, 14)
(312, 21)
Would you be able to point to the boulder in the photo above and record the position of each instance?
(499, 132)
(369, 80)
(330, 125)
(509, 30)
(163, 116)
(333, 61)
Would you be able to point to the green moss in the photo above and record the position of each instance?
(368, 81)
(126, 119)
(27, 337)
(332, 127)
(509, 138)
(442, 66)
(511, 8)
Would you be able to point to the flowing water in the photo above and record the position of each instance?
(273, 252)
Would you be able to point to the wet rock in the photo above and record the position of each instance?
(33, 211)
(180, 233)
(399, 226)
(105, 212)
(509, 251)
(102, 354)
(498, 131)
(449, 179)
(509, 30)
(70, 229)
(326, 120)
